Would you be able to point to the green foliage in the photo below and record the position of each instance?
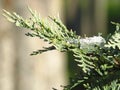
(115, 38)
(98, 59)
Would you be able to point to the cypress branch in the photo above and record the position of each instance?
(97, 57)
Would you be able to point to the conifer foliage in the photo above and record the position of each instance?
(97, 57)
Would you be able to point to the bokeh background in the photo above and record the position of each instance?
(19, 70)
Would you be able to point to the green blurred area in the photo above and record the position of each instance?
(113, 14)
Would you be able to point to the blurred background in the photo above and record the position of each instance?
(19, 70)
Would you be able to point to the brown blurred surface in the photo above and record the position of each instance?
(19, 70)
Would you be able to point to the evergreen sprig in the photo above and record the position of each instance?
(98, 59)
(114, 40)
